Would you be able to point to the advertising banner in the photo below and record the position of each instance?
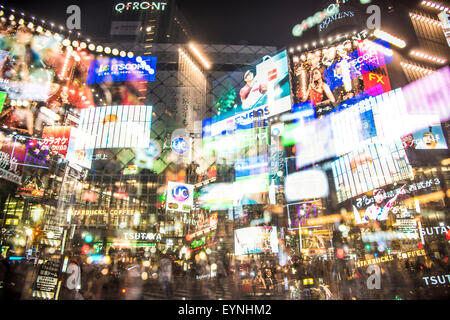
(34, 91)
(369, 167)
(140, 68)
(330, 76)
(180, 196)
(9, 170)
(117, 126)
(251, 166)
(256, 240)
(260, 92)
(45, 285)
(36, 153)
(57, 138)
(430, 138)
(78, 154)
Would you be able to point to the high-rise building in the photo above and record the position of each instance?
(148, 22)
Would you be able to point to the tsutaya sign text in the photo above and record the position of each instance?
(142, 236)
(144, 5)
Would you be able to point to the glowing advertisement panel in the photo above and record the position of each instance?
(263, 91)
(3, 96)
(77, 152)
(9, 169)
(330, 76)
(338, 133)
(36, 152)
(430, 138)
(117, 126)
(33, 91)
(230, 144)
(140, 68)
(180, 196)
(369, 167)
(57, 138)
(251, 166)
(255, 240)
(429, 95)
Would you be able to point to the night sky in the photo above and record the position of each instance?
(255, 22)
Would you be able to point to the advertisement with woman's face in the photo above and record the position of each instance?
(323, 78)
(334, 76)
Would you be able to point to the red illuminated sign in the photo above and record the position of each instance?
(57, 138)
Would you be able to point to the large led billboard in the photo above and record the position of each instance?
(331, 76)
(139, 68)
(256, 240)
(369, 167)
(258, 92)
(117, 126)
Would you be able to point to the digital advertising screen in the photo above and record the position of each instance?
(255, 93)
(429, 138)
(256, 240)
(230, 144)
(139, 68)
(330, 76)
(369, 167)
(252, 166)
(117, 126)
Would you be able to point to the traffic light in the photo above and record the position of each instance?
(85, 249)
(368, 247)
(88, 238)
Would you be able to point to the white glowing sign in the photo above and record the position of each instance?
(136, 6)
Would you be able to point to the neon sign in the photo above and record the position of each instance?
(142, 236)
(133, 6)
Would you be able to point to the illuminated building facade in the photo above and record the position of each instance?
(295, 169)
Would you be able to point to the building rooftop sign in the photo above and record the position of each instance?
(137, 6)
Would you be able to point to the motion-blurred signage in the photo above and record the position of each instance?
(78, 154)
(256, 240)
(140, 68)
(443, 16)
(117, 126)
(36, 152)
(180, 196)
(113, 212)
(45, 285)
(429, 138)
(2, 100)
(57, 138)
(9, 169)
(33, 91)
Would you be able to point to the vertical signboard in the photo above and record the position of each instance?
(46, 282)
